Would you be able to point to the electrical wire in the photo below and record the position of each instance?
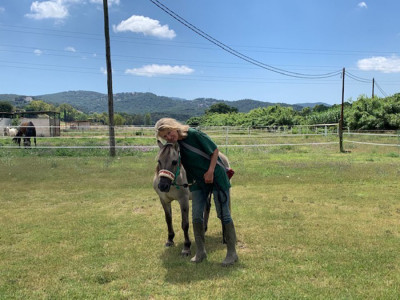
(380, 89)
(357, 78)
(239, 54)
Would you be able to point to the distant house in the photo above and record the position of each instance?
(79, 125)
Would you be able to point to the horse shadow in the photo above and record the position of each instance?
(180, 270)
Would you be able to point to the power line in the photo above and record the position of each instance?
(357, 78)
(380, 89)
(238, 54)
(98, 36)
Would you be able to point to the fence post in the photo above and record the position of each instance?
(226, 139)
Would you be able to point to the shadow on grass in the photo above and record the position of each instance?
(181, 270)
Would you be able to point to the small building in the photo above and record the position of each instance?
(47, 123)
(79, 125)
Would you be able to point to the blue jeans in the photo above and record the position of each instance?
(221, 201)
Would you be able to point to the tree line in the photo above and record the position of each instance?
(363, 114)
(69, 114)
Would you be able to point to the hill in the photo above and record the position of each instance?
(142, 103)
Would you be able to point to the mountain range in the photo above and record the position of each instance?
(142, 103)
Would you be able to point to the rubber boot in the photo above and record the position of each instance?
(198, 229)
(231, 255)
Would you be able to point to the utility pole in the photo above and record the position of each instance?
(341, 115)
(373, 86)
(109, 81)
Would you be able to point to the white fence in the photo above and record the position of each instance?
(139, 137)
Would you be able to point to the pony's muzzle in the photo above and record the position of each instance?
(164, 185)
(166, 178)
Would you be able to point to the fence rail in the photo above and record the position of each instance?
(140, 137)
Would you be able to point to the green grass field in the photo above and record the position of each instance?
(312, 223)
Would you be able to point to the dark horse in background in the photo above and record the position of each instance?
(26, 130)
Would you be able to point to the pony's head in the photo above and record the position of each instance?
(168, 165)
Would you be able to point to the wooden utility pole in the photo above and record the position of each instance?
(109, 81)
(341, 115)
(373, 86)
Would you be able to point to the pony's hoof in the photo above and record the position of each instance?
(169, 244)
(185, 253)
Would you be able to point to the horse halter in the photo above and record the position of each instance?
(168, 174)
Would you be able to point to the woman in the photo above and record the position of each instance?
(204, 176)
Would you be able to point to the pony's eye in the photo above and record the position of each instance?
(174, 162)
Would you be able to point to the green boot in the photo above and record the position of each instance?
(231, 255)
(198, 229)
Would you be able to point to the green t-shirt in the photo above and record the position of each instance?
(196, 165)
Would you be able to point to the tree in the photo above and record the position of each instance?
(118, 120)
(320, 108)
(39, 105)
(221, 108)
(147, 119)
(6, 106)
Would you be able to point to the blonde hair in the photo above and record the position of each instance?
(171, 124)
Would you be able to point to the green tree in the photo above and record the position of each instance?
(6, 106)
(119, 120)
(147, 119)
(39, 105)
(221, 108)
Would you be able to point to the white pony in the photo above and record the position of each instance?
(10, 131)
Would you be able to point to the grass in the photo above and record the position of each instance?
(312, 223)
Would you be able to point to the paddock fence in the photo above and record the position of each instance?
(142, 138)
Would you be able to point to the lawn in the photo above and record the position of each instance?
(312, 223)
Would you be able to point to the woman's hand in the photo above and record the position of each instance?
(209, 176)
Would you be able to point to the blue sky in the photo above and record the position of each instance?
(58, 45)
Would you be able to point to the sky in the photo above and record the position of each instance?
(290, 51)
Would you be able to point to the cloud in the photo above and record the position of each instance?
(362, 5)
(2, 9)
(380, 63)
(153, 70)
(145, 25)
(70, 49)
(58, 9)
(48, 10)
(104, 70)
(37, 52)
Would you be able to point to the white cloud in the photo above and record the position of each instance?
(153, 70)
(38, 52)
(362, 5)
(104, 70)
(70, 49)
(145, 25)
(380, 63)
(48, 10)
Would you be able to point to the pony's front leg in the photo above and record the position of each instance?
(168, 219)
(185, 226)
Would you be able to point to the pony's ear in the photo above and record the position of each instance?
(160, 144)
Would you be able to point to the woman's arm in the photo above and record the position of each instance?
(209, 175)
